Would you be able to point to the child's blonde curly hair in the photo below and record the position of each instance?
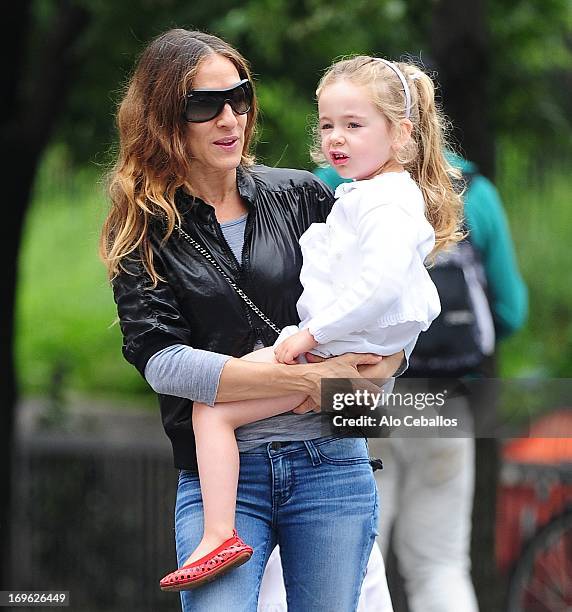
(422, 155)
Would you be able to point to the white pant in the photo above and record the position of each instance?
(374, 592)
(426, 494)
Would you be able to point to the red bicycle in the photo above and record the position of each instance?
(534, 517)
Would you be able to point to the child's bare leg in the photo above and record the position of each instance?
(217, 455)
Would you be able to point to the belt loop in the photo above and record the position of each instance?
(313, 452)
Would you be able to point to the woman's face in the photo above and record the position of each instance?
(217, 144)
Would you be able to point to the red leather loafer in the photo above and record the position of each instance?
(231, 553)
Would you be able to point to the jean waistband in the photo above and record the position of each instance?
(273, 449)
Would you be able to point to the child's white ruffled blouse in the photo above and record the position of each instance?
(366, 288)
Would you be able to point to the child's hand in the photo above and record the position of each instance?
(288, 351)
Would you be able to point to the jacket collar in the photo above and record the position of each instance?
(344, 188)
(205, 212)
(246, 185)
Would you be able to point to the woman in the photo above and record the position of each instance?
(184, 173)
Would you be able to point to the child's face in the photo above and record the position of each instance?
(355, 136)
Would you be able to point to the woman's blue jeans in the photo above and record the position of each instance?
(317, 499)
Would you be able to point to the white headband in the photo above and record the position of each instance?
(403, 82)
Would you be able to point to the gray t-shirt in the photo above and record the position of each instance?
(184, 371)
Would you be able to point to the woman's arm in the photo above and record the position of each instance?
(242, 379)
(184, 371)
(195, 374)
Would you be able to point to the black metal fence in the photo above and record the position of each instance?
(94, 517)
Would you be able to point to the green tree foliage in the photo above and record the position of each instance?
(290, 42)
(532, 65)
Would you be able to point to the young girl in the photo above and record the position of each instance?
(366, 288)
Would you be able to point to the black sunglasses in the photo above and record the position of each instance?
(205, 104)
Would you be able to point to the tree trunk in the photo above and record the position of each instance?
(489, 586)
(34, 98)
(459, 42)
(21, 176)
(459, 45)
(16, 188)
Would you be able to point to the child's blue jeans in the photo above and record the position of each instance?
(317, 499)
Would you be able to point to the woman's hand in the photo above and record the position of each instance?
(344, 367)
(308, 405)
(374, 368)
(385, 368)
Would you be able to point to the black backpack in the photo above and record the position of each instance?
(462, 337)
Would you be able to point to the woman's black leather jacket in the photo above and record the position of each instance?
(196, 305)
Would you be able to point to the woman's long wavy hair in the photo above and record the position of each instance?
(154, 158)
(423, 153)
